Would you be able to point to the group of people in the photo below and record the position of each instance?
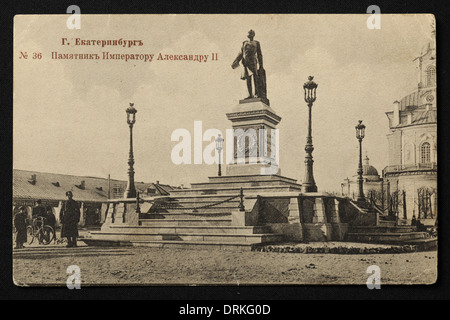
(69, 217)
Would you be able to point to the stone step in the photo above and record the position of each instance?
(219, 238)
(223, 202)
(187, 215)
(190, 205)
(196, 245)
(244, 184)
(424, 244)
(386, 237)
(212, 210)
(387, 223)
(381, 229)
(158, 229)
(233, 190)
(185, 222)
(224, 238)
(205, 201)
(204, 198)
(243, 178)
(205, 245)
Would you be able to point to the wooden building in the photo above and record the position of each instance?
(91, 193)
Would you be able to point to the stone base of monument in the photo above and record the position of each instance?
(250, 169)
(255, 183)
(302, 217)
(180, 221)
(210, 216)
(399, 235)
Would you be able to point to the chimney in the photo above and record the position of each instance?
(82, 185)
(410, 118)
(396, 116)
(157, 181)
(33, 179)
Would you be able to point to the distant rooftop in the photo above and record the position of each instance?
(28, 185)
(418, 116)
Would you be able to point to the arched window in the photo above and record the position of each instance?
(425, 153)
(431, 76)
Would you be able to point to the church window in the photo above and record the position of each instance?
(425, 153)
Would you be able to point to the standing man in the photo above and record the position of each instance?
(38, 210)
(252, 60)
(20, 223)
(69, 216)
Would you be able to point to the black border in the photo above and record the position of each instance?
(181, 295)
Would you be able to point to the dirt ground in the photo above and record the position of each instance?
(47, 265)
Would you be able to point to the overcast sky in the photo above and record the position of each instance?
(69, 115)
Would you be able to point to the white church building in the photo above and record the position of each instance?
(412, 166)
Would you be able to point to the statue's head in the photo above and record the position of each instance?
(251, 34)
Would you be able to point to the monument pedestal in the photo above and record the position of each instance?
(252, 169)
(256, 146)
(121, 212)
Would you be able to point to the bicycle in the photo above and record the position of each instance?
(39, 230)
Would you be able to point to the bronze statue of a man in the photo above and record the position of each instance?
(252, 60)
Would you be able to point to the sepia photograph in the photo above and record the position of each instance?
(224, 150)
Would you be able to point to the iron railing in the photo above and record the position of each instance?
(194, 210)
(411, 167)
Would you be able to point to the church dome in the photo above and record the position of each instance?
(369, 170)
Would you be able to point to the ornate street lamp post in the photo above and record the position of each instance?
(308, 184)
(138, 200)
(219, 148)
(360, 133)
(130, 192)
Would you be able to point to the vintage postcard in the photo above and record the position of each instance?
(224, 149)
